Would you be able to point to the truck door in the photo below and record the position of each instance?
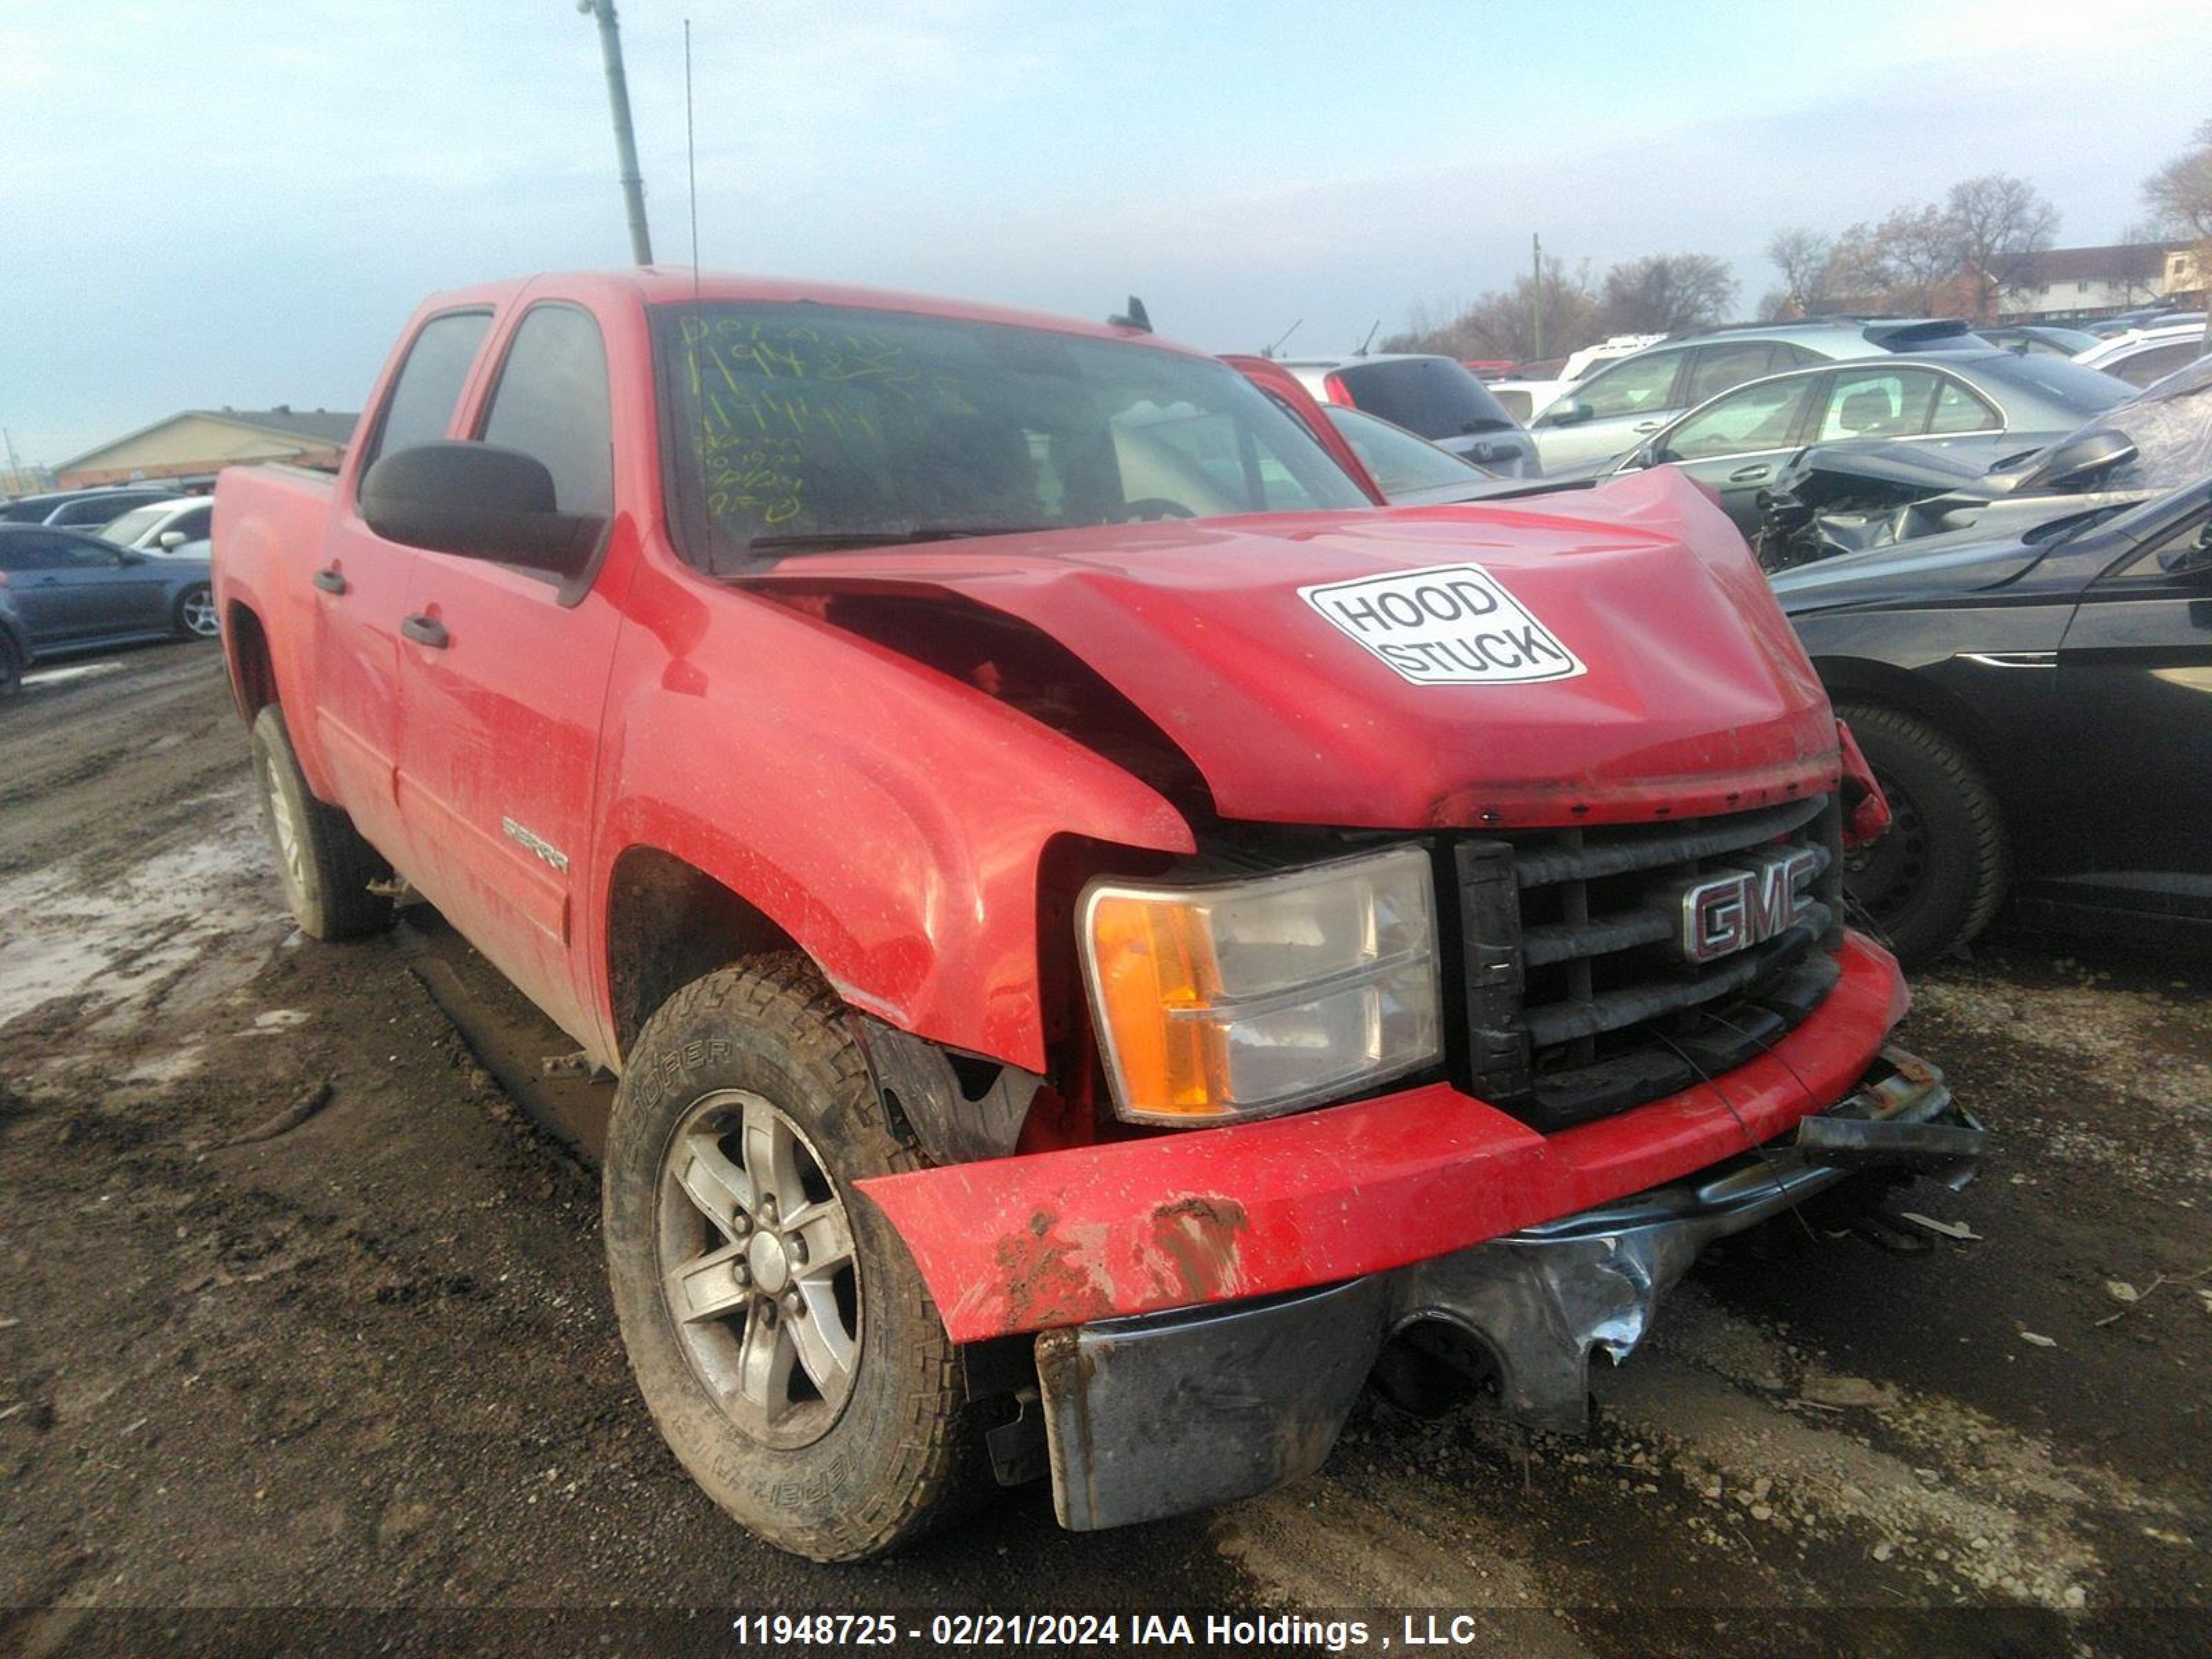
(2135, 682)
(505, 671)
(361, 588)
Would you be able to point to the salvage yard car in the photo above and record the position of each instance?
(2034, 704)
(1092, 971)
(67, 592)
(1628, 400)
(1852, 497)
(1992, 400)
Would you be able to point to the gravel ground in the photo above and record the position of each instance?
(298, 1310)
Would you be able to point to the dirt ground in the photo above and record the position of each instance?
(368, 1360)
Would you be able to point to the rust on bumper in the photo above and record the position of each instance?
(1188, 1219)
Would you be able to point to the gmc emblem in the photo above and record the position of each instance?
(1731, 909)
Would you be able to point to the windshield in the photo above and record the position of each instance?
(1400, 462)
(132, 524)
(798, 426)
(2170, 427)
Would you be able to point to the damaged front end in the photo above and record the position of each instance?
(1159, 1414)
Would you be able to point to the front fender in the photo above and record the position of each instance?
(889, 818)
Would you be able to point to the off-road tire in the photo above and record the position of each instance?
(903, 1455)
(195, 601)
(326, 883)
(1938, 794)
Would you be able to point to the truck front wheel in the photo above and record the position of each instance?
(781, 1334)
(325, 865)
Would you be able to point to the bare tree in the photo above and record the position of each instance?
(2179, 194)
(1498, 324)
(1665, 293)
(1996, 224)
(1805, 259)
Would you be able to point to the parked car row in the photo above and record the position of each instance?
(2010, 597)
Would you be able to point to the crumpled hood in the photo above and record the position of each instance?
(1612, 657)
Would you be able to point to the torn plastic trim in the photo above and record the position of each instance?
(918, 1082)
(1159, 1414)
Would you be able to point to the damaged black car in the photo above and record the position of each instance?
(1852, 498)
(2035, 706)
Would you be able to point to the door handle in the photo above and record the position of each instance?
(49, 581)
(1749, 474)
(1647, 426)
(425, 630)
(330, 581)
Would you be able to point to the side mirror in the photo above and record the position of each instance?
(170, 540)
(1567, 412)
(478, 502)
(2079, 459)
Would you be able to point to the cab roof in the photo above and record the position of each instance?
(662, 285)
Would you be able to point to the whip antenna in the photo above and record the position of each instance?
(690, 160)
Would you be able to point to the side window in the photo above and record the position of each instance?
(2149, 566)
(1756, 417)
(551, 401)
(1958, 409)
(1718, 368)
(421, 403)
(1634, 385)
(88, 554)
(195, 522)
(1878, 403)
(2155, 364)
(31, 553)
(1787, 355)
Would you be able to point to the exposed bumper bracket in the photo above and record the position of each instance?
(1160, 1414)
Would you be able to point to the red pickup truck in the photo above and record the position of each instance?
(1110, 939)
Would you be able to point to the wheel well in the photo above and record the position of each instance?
(1855, 680)
(669, 922)
(252, 674)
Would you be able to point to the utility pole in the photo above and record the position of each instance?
(633, 183)
(1536, 295)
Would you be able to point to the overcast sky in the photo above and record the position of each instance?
(212, 202)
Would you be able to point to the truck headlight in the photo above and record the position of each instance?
(1240, 999)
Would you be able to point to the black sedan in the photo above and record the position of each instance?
(61, 592)
(2037, 707)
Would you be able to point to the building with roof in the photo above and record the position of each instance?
(2064, 282)
(200, 441)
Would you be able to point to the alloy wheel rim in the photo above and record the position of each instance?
(200, 615)
(291, 845)
(758, 1270)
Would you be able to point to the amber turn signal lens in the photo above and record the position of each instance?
(1239, 998)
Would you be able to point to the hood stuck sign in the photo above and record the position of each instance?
(1451, 624)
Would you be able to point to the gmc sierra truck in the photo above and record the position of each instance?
(1109, 937)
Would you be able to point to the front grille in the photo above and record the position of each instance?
(1580, 1000)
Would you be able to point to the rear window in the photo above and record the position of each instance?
(2077, 389)
(1433, 397)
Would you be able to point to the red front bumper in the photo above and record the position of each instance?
(1062, 1238)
